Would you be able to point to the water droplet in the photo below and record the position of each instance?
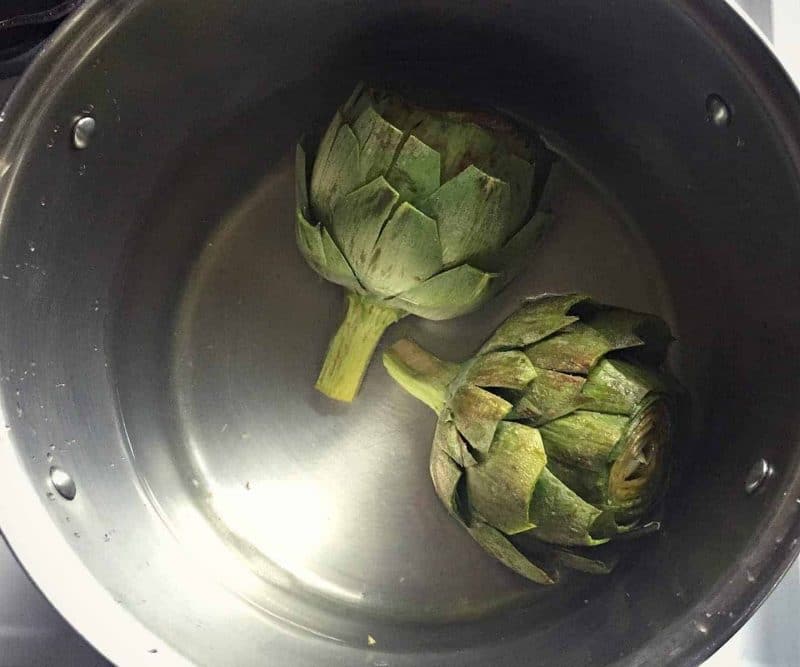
(5, 277)
(586, 602)
(31, 246)
(701, 627)
(49, 457)
(51, 142)
(195, 482)
(56, 128)
(751, 578)
(51, 495)
(82, 169)
(42, 202)
(106, 537)
(19, 411)
(707, 614)
(60, 385)
(247, 485)
(245, 436)
(76, 534)
(371, 640)
(153, 650)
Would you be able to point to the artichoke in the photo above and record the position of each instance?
(412, 211)
(558, 429)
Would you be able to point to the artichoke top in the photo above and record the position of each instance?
(559, 429)
(413, 211)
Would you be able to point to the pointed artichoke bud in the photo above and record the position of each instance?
(559, 429)
(412, 211)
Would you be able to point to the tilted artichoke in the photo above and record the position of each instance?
(412, 211)
(559, 428)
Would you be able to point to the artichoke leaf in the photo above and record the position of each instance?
(309, 240)
(584, 439)
(500, 486)
(476, 413)
(560, 515)
(591, 485)
(548, 396)
(447, 294)
(473, 211)
(498, 545)
(585, 564)
(511, 370)
(337, 176)
(358, 219)
(447, 439)
(324, 150)
(535, 320)
(467, 454)
(575, 350)
(358, 97)
(617, 387)
(445, 475)
(519, 174)
(378, 141)
(415, 172)
(459, 143)
(405, 255)
(301, 181)
(337, 269)
(567, 557)
(649, 334)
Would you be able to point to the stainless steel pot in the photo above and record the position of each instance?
(169, 477)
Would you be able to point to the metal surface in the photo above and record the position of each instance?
(82, 132)
(162, 332)
(63, 483)
(759, 473)
(718, 111)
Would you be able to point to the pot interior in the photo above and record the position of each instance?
(162, 333)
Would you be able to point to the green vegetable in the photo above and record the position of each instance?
(413, 211)
(559, 429)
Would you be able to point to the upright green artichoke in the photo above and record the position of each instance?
(412, 211)
(558, 428)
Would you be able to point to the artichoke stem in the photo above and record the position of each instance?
(352, 347)
(421, 374)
